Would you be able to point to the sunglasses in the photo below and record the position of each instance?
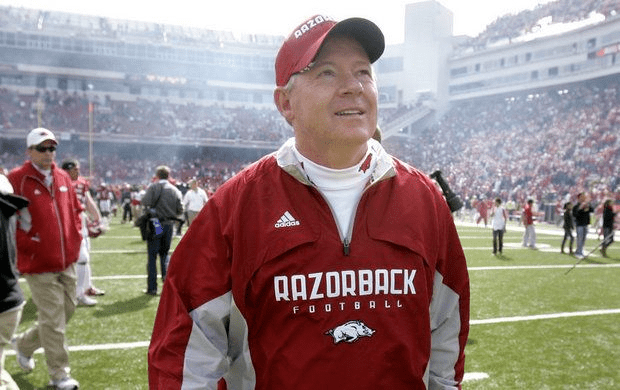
(43, 149)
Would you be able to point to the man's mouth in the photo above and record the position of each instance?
(349, 112)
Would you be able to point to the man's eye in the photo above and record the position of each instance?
(326, 72)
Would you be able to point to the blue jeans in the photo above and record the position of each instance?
(582, 232)
(498, 240)
(159, 245)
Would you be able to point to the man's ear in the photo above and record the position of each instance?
(283, 103)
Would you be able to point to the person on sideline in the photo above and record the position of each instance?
(529, 236)
(609, 217)
(483, 210)
(581, 213)
(500, 216)
(164, 201)
(193, 200)
(90, 213)
(328, 264)
(48, 246)
(568, 226)
(11, 296)
(126, 203)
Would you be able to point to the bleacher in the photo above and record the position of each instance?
(558, 140)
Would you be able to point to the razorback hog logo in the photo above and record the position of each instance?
(366, 164)
(350, 332)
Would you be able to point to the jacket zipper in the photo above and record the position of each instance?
(346, 241)
(62, 236)
(346, 246)
(58, 221)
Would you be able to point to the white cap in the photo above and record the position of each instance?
(38, 135)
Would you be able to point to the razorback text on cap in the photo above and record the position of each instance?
(304, 28)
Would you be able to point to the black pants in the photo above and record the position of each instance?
(127, 212)
(608, 237)
(498, 241)
(568, 234)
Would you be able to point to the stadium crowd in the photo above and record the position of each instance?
(68, 111)
(547, 144)
(511, 26)
(555, 142)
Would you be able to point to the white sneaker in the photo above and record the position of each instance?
(83, 300)
(66, 383)
(25, 363)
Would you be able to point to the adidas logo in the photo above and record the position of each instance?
(286, 220)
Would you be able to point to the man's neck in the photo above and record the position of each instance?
(44, 171)
(334, 157)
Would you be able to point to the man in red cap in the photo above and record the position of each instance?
(326, 265)
(48, 245)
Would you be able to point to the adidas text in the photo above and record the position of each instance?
(286, 220)
(286, 224)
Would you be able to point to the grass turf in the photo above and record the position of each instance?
(109, 341)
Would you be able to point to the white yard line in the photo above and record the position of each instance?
(475, 376)
(587, 313)
(489, 268)
(470, 376)
(558, 266)
(118, 251)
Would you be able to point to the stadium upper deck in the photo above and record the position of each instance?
(128, 60)
(511, 27)
(557, 43)
(125, 59)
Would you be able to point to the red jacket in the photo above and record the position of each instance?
(48, 232)
(528, 215)
(263, 292)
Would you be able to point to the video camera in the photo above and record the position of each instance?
(454, 201)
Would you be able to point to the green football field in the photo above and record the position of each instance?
(536, 323)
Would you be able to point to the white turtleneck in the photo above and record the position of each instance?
(47, 173)
(341, 188)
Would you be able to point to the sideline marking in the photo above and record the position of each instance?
(551, 266)
(469, 376)
(117, 251)
(587, 313)
(95, 347)
(489, 268)
(475, 376)
(144, 344)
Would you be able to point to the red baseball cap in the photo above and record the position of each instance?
(300, 48)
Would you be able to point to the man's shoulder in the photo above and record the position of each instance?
(17, 174)
(255, 172)
(262, 175)
(19, 170)
(170, 187)
(407, 172)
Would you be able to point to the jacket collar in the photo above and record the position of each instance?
(287, 160)
(34, 171)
